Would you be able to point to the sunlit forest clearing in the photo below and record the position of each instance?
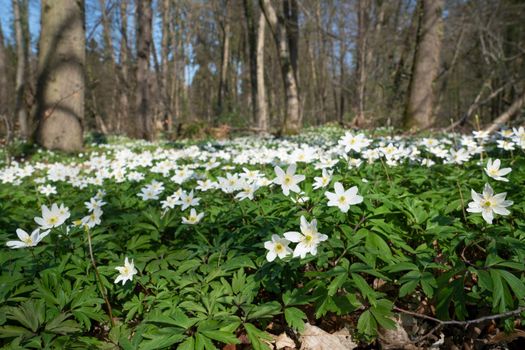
(262, 174)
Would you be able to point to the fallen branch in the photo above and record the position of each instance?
(462, 323)
(507, 115)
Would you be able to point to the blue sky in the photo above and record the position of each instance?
(93, 25)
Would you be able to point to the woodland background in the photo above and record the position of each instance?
(180, 68)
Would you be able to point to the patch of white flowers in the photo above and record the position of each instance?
(160, 174)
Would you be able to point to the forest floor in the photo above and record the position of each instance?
(326, 240)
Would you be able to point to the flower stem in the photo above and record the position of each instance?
(101, 286)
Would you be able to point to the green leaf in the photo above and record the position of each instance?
(363, 287)
(203, 343)
(515, 284)
(367, 324)
(27, 314)
(265, 310)
(176, 318)
(428, 283)
(61, 325)
(14, 331)
(188, 344)
(376, 245)
(160, 341)
(337, 283)
(255, 335)
(294, 317)
(226, 338)
(402, 266)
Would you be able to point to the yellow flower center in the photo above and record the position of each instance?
(342, 199)
(279, 247)
(28, 240)
(308, 238)
(486, 204)
(287, 179)
(53, 220)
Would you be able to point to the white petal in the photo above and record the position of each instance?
(300, 250)
(22, 235)
(16, 244)
(339, 189)
(488, 191)
(293, 236)
(304, 224)
(487, 215)
(291, 169)
(270, 256)
(501, 211)
(279, 172)
(475, 196)
(295, 188)
(355, 199)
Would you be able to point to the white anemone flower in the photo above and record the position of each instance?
(126, 272)
(193, 218)
(343, 199)
(277, 247)
(488, 203)
(288, 181)
(308, 239)
(493, 170)
(187, 200)
(323, 180)
(27, 240)
(53, 217)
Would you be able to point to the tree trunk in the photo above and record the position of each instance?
(252, 54)
(261, 107)
(292, 120)
(166, 96)
(144, 121)
(21, 58)
(114, 117)
(176, 41)
(225, 59)
(362, 33)
(4, 113)
(124, 85)
(60, 87)
(419, 112)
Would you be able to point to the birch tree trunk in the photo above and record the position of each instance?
(60, 86)
(419, 112)
(261, 108)
(21, 58)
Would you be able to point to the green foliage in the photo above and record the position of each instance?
(202, 286)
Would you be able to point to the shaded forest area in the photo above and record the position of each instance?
(178, 68)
